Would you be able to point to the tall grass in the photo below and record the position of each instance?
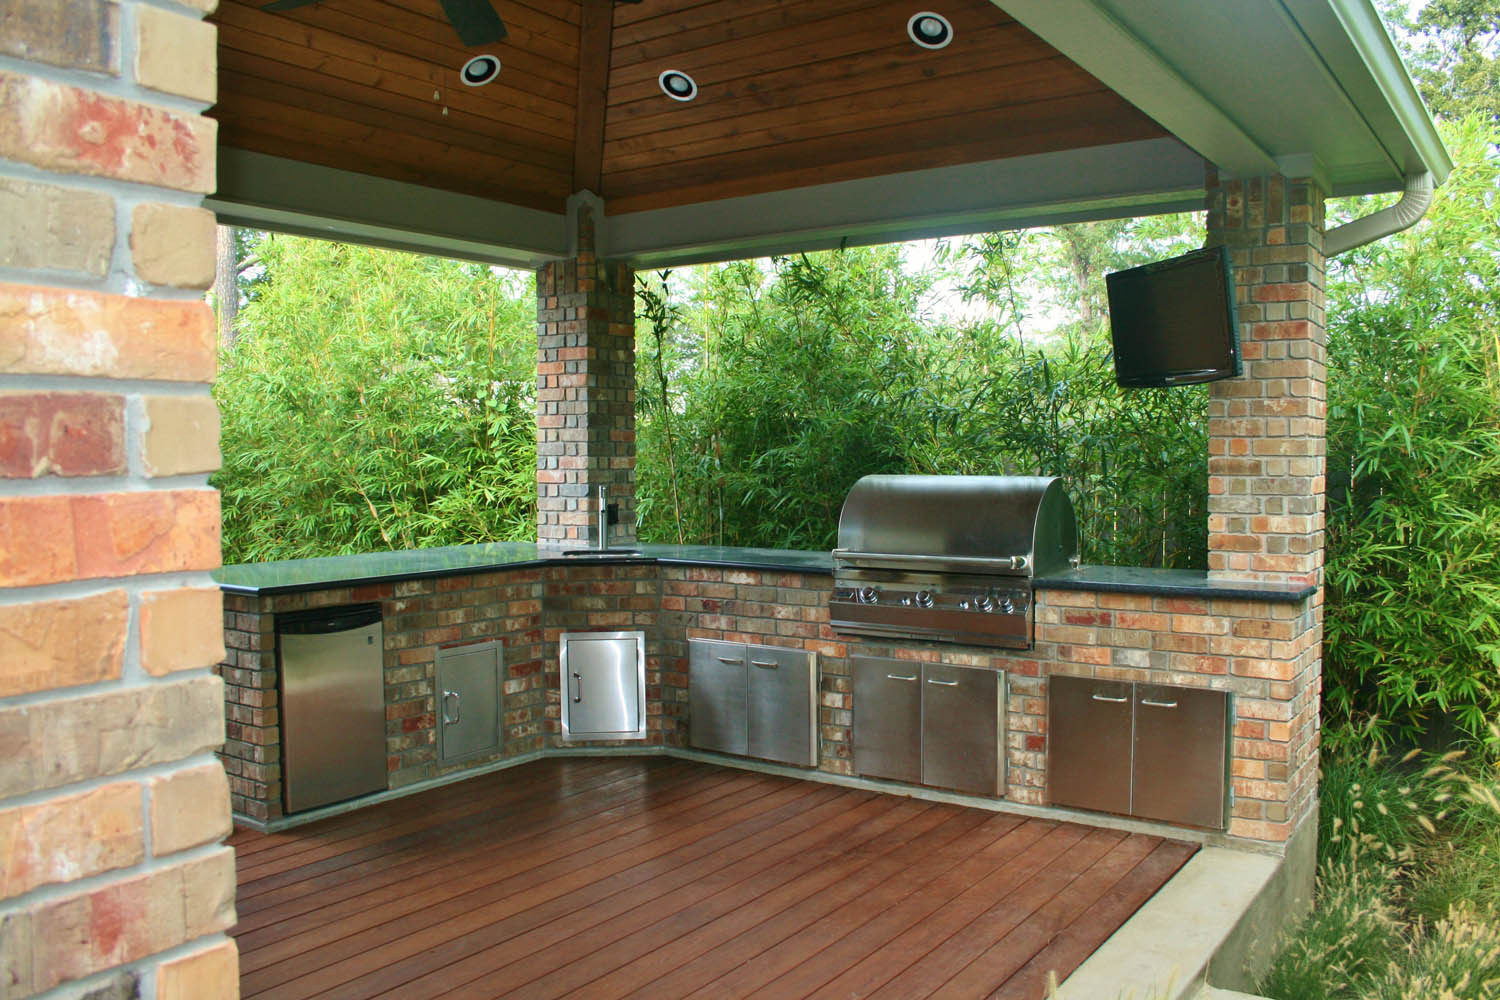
(1408, 900)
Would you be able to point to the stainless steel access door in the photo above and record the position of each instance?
(469, 700)
(716, 696)
(1089, 732)
(333, 705)
(603, 685)
(782, 689)
(961, 733)
(1181, 739)
(887, 718)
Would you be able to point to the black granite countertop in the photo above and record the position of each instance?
(1169, 583)
(292, 575)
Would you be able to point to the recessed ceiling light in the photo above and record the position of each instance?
(480, 70)
(929, 30)
(677, 85)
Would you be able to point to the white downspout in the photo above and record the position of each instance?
(1402, 215)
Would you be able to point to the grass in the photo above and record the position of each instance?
(1408, 900)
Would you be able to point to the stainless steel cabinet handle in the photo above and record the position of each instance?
(946, 684)
(731, 659)
(452, 717)
(577, 688)
(898, 677)
(1158, 704)
(1117, 701)
(765, 664)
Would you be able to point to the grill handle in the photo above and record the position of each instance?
(888, 560)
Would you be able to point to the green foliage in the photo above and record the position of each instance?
(783, 397)
(1413, 569)
(770, 390)
(1453, 47)
(376, 400)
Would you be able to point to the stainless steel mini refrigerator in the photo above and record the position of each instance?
(332, 704)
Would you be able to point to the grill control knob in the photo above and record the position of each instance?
(983, 602)
(924, 598)
(869, 595)
(1008, 606)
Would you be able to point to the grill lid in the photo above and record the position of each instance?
(1014, 525)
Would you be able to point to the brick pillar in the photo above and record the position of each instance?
(113, 880)
(585, 421)
(1267, 455)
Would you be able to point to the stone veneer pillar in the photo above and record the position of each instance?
(585, 421)
(1267, 453)
(113, 880)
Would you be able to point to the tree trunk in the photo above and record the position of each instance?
(226, 285)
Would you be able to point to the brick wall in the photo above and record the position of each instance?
(420, 618)
(1267, 455)
(1250, 649)
(585, 421)
(1246, 648)
(607, 599)
(112, 807)
(526, 610)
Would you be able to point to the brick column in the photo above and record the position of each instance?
(585, 421)
(113, 880)
(1267, 454)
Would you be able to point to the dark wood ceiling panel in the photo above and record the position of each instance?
(332, 64)
(1069, 123)
(720, 23)
(330, 142)
(808, 91)
(840, 76)
(372, 86)
(792, 92)
(834, 116)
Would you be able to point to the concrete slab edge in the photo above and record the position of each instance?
(1163, 952)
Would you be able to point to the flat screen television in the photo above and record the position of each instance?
(1173, 322)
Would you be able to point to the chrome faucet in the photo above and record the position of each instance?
(603, 518)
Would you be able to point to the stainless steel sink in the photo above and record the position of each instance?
(600, 553)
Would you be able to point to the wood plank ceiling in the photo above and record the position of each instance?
(791, 93)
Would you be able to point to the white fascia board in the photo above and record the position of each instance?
(1126, 179)
(1351, 38)
(1098, 42)
(271, 192)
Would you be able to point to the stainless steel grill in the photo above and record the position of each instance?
(949, 558)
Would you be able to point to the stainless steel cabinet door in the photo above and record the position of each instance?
(887, 718)
(716, 696)
(782, 690)
(1089, 743)
(603, 685)
(1181, 742)
(961, 728)
(469, 693)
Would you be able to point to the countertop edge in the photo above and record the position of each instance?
(1248, 591)
(1101, 579)
(375, 579)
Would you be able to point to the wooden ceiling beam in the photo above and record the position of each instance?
(595, 40)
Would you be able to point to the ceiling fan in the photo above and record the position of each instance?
(475, 20)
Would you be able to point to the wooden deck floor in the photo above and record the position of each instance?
(661, 878)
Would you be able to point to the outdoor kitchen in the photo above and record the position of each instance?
(921, 651)
(946, 756)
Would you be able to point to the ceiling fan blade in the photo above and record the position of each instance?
(277, 6)
(475, 21)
